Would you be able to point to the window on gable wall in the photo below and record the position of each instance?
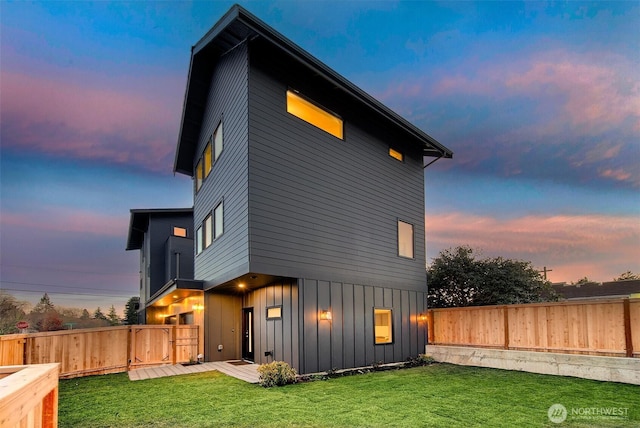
(396, 154)
(206, 156)
(314, 114)
(199, 174)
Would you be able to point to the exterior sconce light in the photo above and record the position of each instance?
(325, 315)
(422, 317)
(197, 307)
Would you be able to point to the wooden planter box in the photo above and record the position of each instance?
(29, 395)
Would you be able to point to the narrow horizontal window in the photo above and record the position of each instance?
(274, 312)
(315, 115)
(179, 231)
(396, 154)
(383, 322)
(405, 239)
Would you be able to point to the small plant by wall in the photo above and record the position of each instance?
(276, 373)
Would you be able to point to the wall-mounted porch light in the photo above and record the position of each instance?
(197, 307)
(326, 315)
(422, 317)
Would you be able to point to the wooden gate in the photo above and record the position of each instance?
(153, 345)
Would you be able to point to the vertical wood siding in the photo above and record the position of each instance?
(228, 255)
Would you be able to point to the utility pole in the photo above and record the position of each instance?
(544, 271)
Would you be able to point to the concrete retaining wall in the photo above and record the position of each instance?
(610, 369)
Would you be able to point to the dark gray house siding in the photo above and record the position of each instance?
(228, 256)
(321, 207)
(310, 220)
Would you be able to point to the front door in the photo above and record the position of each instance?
(247, 334)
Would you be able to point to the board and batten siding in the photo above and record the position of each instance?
(228, 256)
(321, 207)
(279, 336)
(348, 339)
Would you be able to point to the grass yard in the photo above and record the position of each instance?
(437, 395)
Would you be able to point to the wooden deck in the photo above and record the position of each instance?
(245, 372)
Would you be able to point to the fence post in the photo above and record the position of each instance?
(173, 339)
(627, 327)
(506, 326)
(430, 332)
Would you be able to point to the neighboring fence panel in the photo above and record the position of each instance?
(102, 350)
(596, 327)
(29, 396)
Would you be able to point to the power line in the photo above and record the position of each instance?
(68, 270)
(51, 285)
(66, 294)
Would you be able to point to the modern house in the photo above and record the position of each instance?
(308, 213)
(165, 239)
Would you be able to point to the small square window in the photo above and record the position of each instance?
(274, 312)
(179, 231)
(396, 154)
(405, 239)
(383, 322)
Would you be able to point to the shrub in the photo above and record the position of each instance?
(420, 360)
(277, 373)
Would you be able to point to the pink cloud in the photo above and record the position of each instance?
(82, 120)
(70, 220)
(597, 246)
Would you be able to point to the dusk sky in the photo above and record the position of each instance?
(540, 103)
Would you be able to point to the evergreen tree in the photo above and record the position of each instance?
(131, 311)
(85, 315)
(98, 315)
(112, 317)
(44, 305)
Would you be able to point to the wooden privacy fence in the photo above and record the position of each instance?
(102, 350)
(29, 396)
(595, 327)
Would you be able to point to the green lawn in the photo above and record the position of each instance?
(437, 395)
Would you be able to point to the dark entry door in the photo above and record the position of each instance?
(247, 334)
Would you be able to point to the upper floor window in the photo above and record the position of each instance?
(218, 215)
(208, 229)
(217, 142)
(210, 155)
(179, 231)
(315, 115)
(199, 240)
(396, 154)
(405, 239)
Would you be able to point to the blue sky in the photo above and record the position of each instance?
(540, 103)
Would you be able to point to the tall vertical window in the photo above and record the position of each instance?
(315, 115)
(199, 174)
(383, 323)
(208, 231)
(217, 142)
(405, 239)
(218, 214)
(206, 156)
(199, 240)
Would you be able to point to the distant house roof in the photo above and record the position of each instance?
(596, 290)
(139, 223)
(232, 29)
